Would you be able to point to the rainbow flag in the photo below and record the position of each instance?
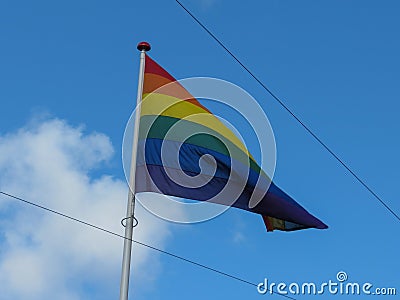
(186, 151)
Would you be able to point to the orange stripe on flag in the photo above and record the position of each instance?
(154, 83)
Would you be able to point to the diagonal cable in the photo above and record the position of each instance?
(308, 129)
(138, 242)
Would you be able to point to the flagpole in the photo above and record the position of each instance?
(143, 47)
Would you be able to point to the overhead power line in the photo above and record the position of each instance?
(282, 104)
(203, 266)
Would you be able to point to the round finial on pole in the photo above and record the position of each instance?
(144, 46)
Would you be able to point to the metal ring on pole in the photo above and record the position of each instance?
(132, 217)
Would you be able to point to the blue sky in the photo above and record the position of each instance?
(68, 85)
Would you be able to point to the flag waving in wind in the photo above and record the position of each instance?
(187, 152)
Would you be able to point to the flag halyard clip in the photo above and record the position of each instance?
(135, 223)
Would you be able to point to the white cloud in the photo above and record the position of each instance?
(43, 255)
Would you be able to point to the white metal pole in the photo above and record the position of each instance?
(126, 259)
